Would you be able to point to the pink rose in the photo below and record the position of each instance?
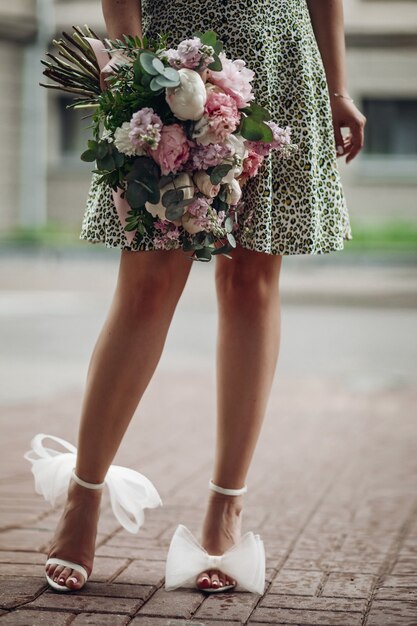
(251, 163)
(172, 150)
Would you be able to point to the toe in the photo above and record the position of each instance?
(57, 572)
(203, 581)
(215, 581)
(64, 575)
(75, 580)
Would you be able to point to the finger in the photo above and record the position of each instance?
(340, 150)
(357, 141)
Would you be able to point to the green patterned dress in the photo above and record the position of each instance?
(292, 206)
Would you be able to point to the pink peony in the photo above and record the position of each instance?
(173, 149)
(251, 163)
(234, 79)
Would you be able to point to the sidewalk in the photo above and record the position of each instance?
(332, 489)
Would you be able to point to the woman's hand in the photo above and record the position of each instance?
(347, 115)
(118, 58)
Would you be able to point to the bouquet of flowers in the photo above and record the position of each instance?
(176, 134)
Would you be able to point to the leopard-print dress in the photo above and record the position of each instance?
(292, 206)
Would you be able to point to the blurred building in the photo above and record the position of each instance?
(40, 136)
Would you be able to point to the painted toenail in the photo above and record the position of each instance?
(61, 580)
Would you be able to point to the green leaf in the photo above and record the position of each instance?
(216, 65)
(172, 197)
(171, 74)
(204, 254)
(102, 149)
(218, 173)
(226, 248)
(209, 38)
(92, 144)
(158, 65)
(258, 112)
(88, 155)
(136, 195)
(256, 131)
(155, 85)
(146, 61)
(107, 163)
(174, 212)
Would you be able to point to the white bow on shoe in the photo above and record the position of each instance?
(244, 561)
(130, 491)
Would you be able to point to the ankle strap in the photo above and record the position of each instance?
(227, 492)
(83, 483)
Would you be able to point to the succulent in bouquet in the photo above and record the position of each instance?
(176, 135)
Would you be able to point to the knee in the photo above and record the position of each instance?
(252, 281)
(153, 290)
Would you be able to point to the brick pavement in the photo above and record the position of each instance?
(332, 491)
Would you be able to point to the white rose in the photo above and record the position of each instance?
(204, 184)
(188, 99)
(184, 179)
(234, 192)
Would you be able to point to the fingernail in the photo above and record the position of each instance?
(340, 150)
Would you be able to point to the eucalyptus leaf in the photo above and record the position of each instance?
(231, 240)
(155, 85)
(174, 212)
(171, 73)
(158, 65)
(136, 195)
(146, 61)
(172, 197)
(228, 224)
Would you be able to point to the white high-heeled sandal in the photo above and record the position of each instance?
(75, 566)
(130, 491)
(243, 562)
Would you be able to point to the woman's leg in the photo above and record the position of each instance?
(125, 356)
(247, 352)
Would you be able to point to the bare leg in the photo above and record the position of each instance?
(247, 352)
(124, 359)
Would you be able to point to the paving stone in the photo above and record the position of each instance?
(139, 573)
(313, 603)
(22, 538)
(85, 603)
(147, 620)
(298, 582)
(348, 585)
(21, 557)
(310, 618)
(117, 590)
(408, 580)
(392, 613)
(178, 603)
(157, 553)
(405, 565)
(22, 569)
(100, 619)
(22, 617)
(228, 606)
(17, 591)
(106, 569)
(396, 593)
